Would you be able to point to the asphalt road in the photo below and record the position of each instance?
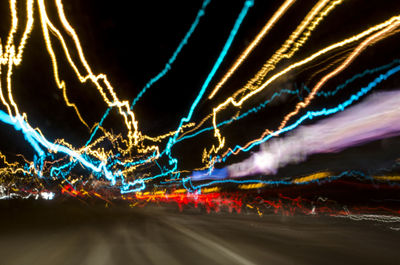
(161, 236)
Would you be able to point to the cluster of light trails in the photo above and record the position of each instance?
(141, 167)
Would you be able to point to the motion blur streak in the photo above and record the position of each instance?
(296, 40)
(123, 107)
(375, 118)
(171, 60)
(239, 20)
(271, 22)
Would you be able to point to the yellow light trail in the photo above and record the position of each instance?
(371, 40)
(251, 186)
(293, 43)
(9, 57)
(180, 191)
(97, 80)
(60, 83)
(388, 178)
(329, 65)
(135, 138)
(163, 136)
(277, 15)
(11, 168)
(12, 56)
(316, 176)
(210, 190)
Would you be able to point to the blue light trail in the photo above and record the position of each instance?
(171, 60)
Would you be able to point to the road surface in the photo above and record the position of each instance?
(123, 235)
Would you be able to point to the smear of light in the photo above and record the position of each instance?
(47, 195)
(375, 118)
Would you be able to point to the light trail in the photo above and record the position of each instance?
(171, 60)
(267, 27)
(293, 43)
(309, 115)
(122, 106)
(382, 110)
(239, 20)
(382, 28)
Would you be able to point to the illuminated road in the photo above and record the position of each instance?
(157, 236)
